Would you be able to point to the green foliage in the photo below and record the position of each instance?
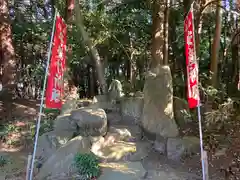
(3, 161)
(122, 34)
(47, 122)
(46, 126)
(87, 165)
(6, 130)
(9, 128)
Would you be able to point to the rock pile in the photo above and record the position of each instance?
(72, 133)
(87, 129)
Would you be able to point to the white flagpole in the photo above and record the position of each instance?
(199, 105)
(42, 98)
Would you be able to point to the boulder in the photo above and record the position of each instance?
(62, 160)
(110, 150)
(49, 142)
(94, 139)
(91, 121)
(122, 170)
(70, 104)
(119, 134)
(97, 144)
(64, 123)
(160, 145)
(113, 117)
(84, 103)
(157, 116)
(142, 151)
(131, 108)
(113, 136)
(178, 148)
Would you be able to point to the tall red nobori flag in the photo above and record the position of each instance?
(191, 61)
(54, 91)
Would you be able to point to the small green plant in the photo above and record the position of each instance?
(13, 142)
(3, 161)
(87, 165)
(7, 129)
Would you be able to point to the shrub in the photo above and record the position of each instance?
(87, 165)
(3, 161)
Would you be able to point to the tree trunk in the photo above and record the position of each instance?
(8, 60)
(157, 33)
(91, 88)
(215, 46)
(199, 25)
(69, 83)
(93, 51)
(130, 61)
(233, 71)
(69, 11)
(166, 21)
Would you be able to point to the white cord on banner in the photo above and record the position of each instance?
(42, 99)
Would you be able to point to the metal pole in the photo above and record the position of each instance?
(42, 99)
(199, 103)
(201, 140)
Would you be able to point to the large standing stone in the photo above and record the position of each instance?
(91, 121)
(157, 116)
(131, 108)
(178, 148)
(62, 160)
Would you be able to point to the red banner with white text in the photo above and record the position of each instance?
(55, 89)
(191, 61)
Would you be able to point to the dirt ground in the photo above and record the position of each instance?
(22, 114)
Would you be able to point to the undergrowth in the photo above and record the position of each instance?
(87, 165)
(9, 128)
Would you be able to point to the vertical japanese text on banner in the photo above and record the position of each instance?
(191, 62)
(57, 66)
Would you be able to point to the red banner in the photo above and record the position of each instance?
(55, 90)
(191, 61)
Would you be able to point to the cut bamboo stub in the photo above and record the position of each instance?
(205, 160)
(28, 166)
